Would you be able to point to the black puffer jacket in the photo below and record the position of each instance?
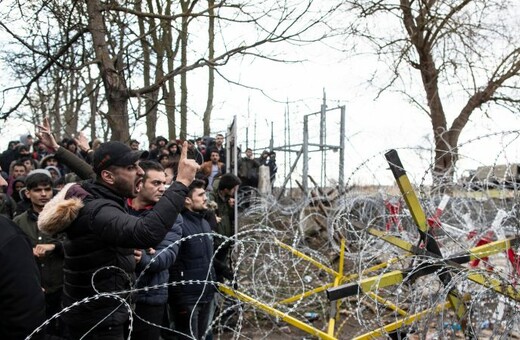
(193, 262)
(22, 304)
(99, 248)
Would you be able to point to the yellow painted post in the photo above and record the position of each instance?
(336, 304)
(275, 312)
(402, 322)
(387, 303)
(418, 215)
(306, 258)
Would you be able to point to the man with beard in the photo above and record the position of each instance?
(191, 295)
(212, 168)
(153, 263)
(101, 236)
(47, 249)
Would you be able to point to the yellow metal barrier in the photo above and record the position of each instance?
(275, 312)
(402, 322)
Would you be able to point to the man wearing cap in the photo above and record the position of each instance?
(47, 249)
(101, 237)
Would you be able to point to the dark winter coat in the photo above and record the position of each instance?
(225, 228)
(51, 265)
(101, 237)
(22, 304)
(248, 172)
(152, 270)
(194, 262)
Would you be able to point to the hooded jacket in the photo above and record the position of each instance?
(101, 236)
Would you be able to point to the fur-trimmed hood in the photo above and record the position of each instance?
(59, 212)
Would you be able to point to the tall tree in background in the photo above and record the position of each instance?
(186, 9)
(465, 51)
(211, 70)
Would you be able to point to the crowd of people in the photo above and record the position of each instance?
(89, 227)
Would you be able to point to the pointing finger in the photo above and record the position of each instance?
(184, 151)
(46, 122)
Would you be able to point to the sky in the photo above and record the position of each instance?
(372, 125)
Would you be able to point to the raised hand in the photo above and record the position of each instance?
(187, 167)
(82, 142)
(45, 136)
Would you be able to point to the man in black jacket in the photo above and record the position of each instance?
(191, 295)
(101, 235)
(22, 304)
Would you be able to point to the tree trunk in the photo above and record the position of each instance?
(114, 82)
(185, 5)
(169, 86)
(150, 113)
(211, 71)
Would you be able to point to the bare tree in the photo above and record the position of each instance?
(468, 49)
(133, 48)
(211, 71)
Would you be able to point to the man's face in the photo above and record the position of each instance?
(134, 146)
(30, 141)
(18, 170)
(249, 153)
(54, 174)
(152, 187)
(215, 157)
(72, 147)
(161, 143)
(28, 165)
(127, 179)
(18, 186)
(51, 162)
(191, 146)
(39, 196)
(219, 140)
(197, 201)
